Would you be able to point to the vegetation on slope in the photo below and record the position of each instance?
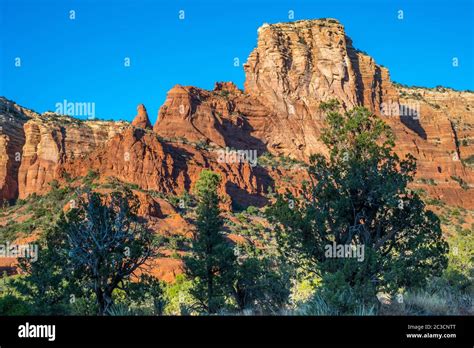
(279, 265)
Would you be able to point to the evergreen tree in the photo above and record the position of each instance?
(108, 242)
(92, 250)
(358, 197)
(261, 282)
(212, 261)
(51, 282)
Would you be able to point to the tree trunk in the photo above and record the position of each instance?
(108, 302)
(100, 300)
(210, 291)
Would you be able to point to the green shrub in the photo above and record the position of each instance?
(469, 161)
(461, 182)
(90, 177)
(12, 305)
(178, 299)
(252, 210)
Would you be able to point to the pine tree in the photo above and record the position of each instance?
(212, 261)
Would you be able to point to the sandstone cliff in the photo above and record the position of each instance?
(441, 138)
(33, 147)
(12, 138)
(294, 68)
(141, 157)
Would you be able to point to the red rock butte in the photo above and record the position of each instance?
(294, 67)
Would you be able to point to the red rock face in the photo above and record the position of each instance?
(294, 68)
(188, 113)
(33, 147)
(12, 140)
(141, 120)
(441, 138)
(50, 142)
(140, 157)
(221, 117)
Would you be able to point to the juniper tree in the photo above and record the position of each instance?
(261, 282)
(93, 249)
(108, 242)
(51, 282)
(359, 195)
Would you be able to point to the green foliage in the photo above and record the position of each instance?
(223, 280)
(202, 145)
(90, 177)
(268, 160)
(252, 210)
(241, 217)
(348, 288)
(176, 242)
(69, 179)
(107, 243)
(49, 282)
(303, 289)
(461, 182)
(12, 305)
(44, 211)
(144, 297)
(434, 201)
(430, 181)
(261, 282)
(89, 253)
(11, 302)
(183, 202)
(460, 270)
(359, 196)
(469, 161)
(212, 261)
(178, 298)
(225, 94)
(206, 188)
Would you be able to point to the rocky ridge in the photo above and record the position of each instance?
(294, 68)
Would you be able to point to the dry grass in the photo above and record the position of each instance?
(431, 303)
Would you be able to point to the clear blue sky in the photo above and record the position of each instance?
(83, 59)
